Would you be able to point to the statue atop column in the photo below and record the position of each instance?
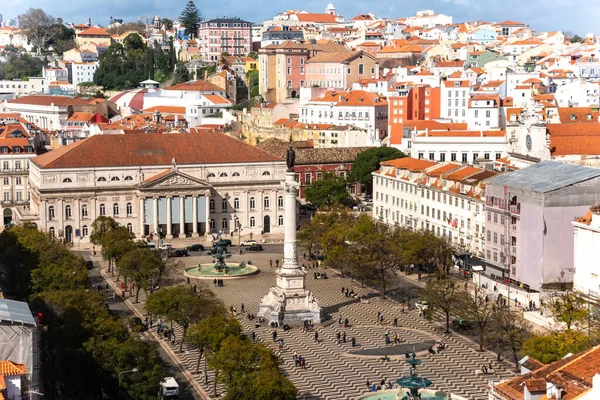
(290, 157)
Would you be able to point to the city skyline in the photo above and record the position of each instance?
(555, 16)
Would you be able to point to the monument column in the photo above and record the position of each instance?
(181, 217)
(169, 219)
(195, 216)
(155, 215)
(141, 216)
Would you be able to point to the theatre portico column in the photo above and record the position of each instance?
(155, 215)
(181, 217)
(141, 216)
(169, 219)
(207, 208)
(195, 216)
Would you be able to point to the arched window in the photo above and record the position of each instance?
(51, 232)
(128, 178)
(224, 205)
(211, 205)
(130, 227)
(267, 203)
(236, 204)
(280, 220)
(129, 209)
(115, 209)
(252, 222)
(102, 209)
(67, 180)
(252, 203)
(102, 179)
(68, 212)
(51, 212)
(84, 231)
(280, 202)
(211, 175)
(224, 223)
(266, 173)
(235, 174)
(84, 211)
(115, 178)
(212, 223)
(223, 175)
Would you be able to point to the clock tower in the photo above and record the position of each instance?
(529, 142)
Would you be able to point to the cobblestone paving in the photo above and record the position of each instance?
(331, 372)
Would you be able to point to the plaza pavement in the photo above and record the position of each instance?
(332, 372)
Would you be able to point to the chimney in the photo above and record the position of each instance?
(426, 131)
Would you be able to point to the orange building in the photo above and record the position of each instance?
(413, 103)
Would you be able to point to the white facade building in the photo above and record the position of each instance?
(219, 184)
(445, 198)
(82, 72)
(586, 252)
(454, 101)
(358, 108)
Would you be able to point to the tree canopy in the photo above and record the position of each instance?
(368, 161)
(556, 345)
(570, 308)
(328, 191)
(190, 18)
(36, 24)
(21, 66)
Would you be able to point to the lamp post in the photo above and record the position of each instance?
(120, 374)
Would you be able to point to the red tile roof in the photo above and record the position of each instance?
(217, 99)
(8, 368)
(197, 86)
(166, 109)
(411, 164)
(59, 101)
(319, 18)
(152, 149)
(93, 31)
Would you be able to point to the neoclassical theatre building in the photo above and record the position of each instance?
(177, 185)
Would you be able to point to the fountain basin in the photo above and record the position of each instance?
(391, 394)
(208, 271)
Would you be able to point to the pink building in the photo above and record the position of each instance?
(230, 35)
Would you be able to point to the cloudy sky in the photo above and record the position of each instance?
(542, 15)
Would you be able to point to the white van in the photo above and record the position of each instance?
(169, 389)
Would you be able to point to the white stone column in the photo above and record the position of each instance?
(207, 208)
(290, 250)
(155, 215)
(169, 219)
(141, 217)
(195, 216)
(181, 217)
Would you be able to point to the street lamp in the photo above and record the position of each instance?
(238, 227)
(121, 373)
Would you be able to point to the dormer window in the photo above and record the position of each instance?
(573, 117)
(456, 84)
(4, 150)
(16, 149)
(28, 149)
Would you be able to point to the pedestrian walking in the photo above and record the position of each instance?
(353, 341)
(274, 336)
(242, 308)
(340, 319)
(402, 308)
(316, 336)
(338, 337)
(303, 363)
(215, 282)
(344, 337)
(378, 315)
(271, 263)
(396, 321)
(253, 336)
(346, 324)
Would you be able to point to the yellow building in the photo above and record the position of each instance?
(93, 35)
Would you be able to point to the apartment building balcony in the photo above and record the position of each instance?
(515, 208)
(15, 171)
(11, 203)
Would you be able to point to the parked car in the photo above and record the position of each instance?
(89, 264)
(248, 242)
(165, 246)
(151, 245)
(254, 247)
(195, 247)
(137, 325)
(180, 253)
(461, 325)
(222, 242)
(169, 389)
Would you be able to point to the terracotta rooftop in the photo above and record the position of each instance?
(94, 31)
(197, 86)
(59, 101)
(152, 149)
(8, 368)
(309, 155)
(577, 114)
(411, 164)
(166, 109)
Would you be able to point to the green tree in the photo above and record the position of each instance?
(555, 345)
(368, 161)
(190, 18)
(37, 26)
(62, 38)
(181, 74)
(424, 248)
(172, 56)
(570, 308)
(577, 39)
(142, 266)
(328, 191)
(479, 311)
(253, 54)
(378, 249)
(179, 304)
(209, 333)
(508, 333)
(167, 23)
(261, 385)
(443, 295)
(20, 66)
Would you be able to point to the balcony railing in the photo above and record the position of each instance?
(515, 208)
(514, 250)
